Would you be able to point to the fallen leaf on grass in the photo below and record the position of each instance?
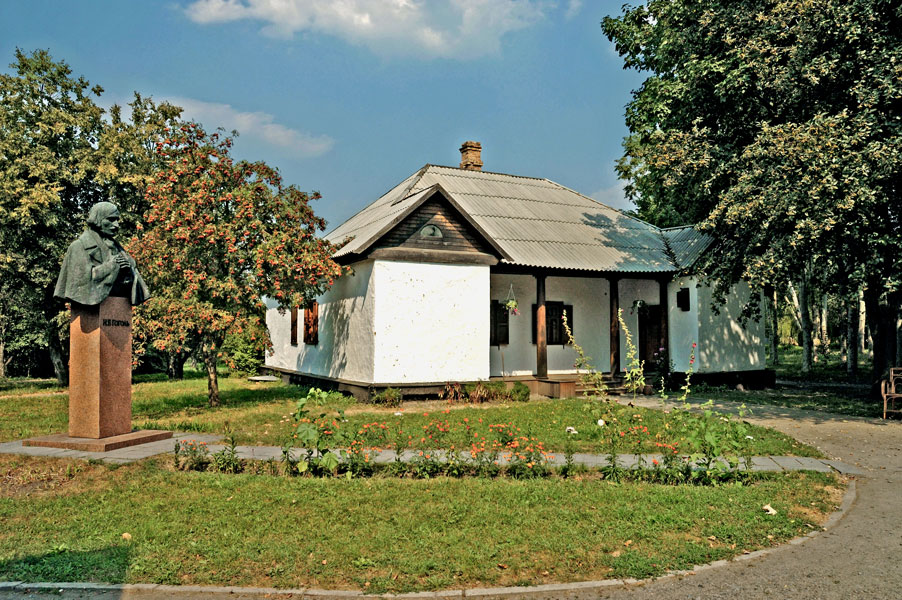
(769, 509)
(615, 553)
(502, 566)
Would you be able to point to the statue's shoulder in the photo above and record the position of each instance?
(87, 240)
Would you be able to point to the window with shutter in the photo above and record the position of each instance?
(682, 298)
(294, 325)
(499, 318)
(311, 324)
(554, 324)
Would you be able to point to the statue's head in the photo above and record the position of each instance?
(104, 219)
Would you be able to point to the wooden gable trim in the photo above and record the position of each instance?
(426, 195)
(445, 228)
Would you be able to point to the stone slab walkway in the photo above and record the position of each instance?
(627, 461)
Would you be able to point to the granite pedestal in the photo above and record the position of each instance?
(100, 381)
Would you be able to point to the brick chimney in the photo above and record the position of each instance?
(471, 156)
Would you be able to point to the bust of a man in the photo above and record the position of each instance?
(96, 266)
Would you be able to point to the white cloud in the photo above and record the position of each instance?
(259, 126)
(573, 8)
(614, 196)
(454, 28)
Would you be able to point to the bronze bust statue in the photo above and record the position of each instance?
(96, 266)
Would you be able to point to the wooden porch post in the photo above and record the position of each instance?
(662, 300)
(541, 334)
(614, 283)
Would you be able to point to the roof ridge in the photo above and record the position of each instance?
(487, 172)
(675, 227)
(668, 249)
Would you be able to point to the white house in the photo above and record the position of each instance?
(434, 260)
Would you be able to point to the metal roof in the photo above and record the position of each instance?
(686, 243)
(532, 222)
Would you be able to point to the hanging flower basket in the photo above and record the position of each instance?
(510, 303)
(512, 307)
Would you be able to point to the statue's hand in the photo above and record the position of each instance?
(122, 261)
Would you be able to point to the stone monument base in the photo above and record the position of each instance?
(114, 442)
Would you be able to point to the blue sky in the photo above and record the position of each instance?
(349, 97)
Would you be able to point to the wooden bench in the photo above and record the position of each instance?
(892, 399)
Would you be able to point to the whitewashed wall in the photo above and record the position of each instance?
(682, 325)
(431, 322)
(346, 322)
(591, 306)
(724, 345)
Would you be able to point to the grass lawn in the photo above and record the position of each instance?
(65, 520)
(845, 401)
(254, 411)
(830, 368)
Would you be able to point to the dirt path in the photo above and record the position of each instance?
(859, 558)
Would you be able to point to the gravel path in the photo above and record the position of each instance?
(859, 558)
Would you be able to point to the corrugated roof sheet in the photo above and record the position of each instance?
(536, 222)
(686, 244)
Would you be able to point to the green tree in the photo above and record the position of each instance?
(220, 236)
(49, 128)
(775, 125)
(58, 156)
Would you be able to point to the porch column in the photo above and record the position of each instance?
(662, 300)
(541, 334)
(614, 284)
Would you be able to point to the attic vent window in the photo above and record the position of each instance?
(431, 232)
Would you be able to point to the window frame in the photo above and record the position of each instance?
(554, 329)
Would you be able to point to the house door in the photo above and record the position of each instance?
(650, 335)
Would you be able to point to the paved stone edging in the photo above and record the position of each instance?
(579, 589)
(627, 461)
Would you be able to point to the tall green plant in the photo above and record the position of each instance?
(592, 381)
(634, 379)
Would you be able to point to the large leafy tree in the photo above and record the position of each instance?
(49, 129)
(59, 154)
(220, 235)
(775, 124)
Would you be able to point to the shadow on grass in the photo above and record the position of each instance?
(16, 383)
(158, 377)
(107, 565)
(777, 405)
(162, 407)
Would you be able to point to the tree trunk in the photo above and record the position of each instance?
(805, 326)
(775, 328)
(882, 320)
(55, 347)
(209, 351)
(898, 337)
(862, 323)
(2, 359)
(825, 335)
(852, 325)
(175, 365)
